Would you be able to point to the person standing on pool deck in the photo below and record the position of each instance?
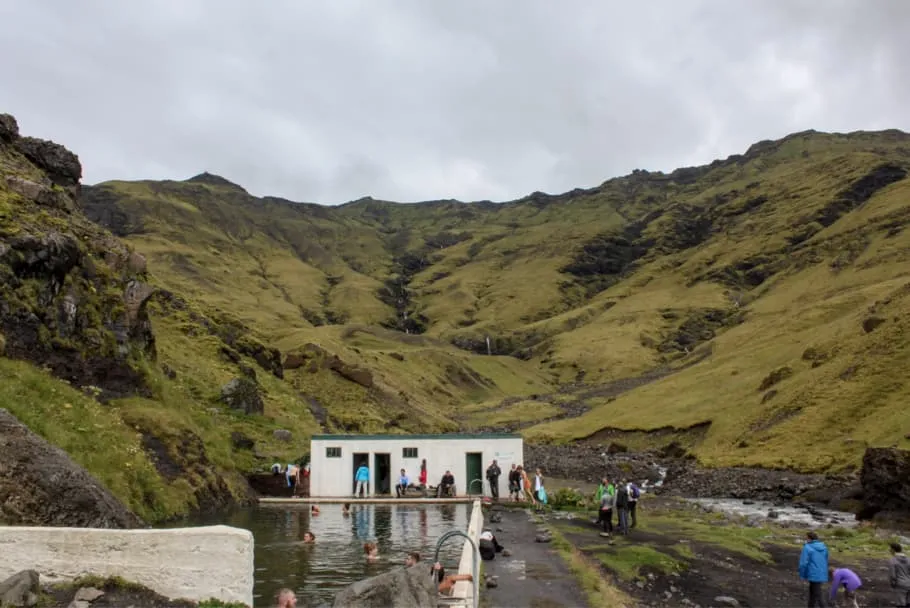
(422, 478)
(362, 479)
(493, 473)
(813, 567)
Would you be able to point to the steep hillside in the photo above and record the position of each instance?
(758, 302)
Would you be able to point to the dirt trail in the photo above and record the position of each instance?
(581, 393)
(690, 563)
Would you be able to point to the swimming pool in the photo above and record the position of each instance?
(317, 572)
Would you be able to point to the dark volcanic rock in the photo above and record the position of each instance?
(61, 165)
(42, 486)
(686, 479)
(21, 589)
(9, 128)
(399, 588)
(885, 478)
(587, 462)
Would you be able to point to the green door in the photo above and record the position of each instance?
(474, 470)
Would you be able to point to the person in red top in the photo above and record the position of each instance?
(423, 476)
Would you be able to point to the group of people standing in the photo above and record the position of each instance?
(622, 499)
(520, 488)
(814, 569)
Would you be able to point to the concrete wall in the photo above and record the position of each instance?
(332, 477)
(464, 589)
(190, 563)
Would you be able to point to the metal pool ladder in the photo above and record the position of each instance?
(475, 570)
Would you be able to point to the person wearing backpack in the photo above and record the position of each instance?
(634, 494)
(622, 506)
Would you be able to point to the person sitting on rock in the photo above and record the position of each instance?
(402, 487)
(447, 582)
(372, 551)
(489, 546)
(286, 598)
(446, 485)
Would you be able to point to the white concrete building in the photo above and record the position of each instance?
(334, 459)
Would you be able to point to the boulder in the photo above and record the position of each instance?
(241, 441)
(21, 589)
(242, 394)
(885, 478)
(282, 435)
(9, 128)
(43, 486)
(412, 587)
(61, 165)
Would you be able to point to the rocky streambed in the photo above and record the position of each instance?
(881, 490)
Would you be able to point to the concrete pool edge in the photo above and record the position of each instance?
(463, 589)
(276, 500)
(195, 563)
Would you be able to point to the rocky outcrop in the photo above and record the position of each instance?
(399, 588)
(885, 479)
(312, 358)
(242, 394)
(40, 485)
(20, 590)
(72, 297)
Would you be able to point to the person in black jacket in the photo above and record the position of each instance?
(493, 473)
(514, 483)
(622, 506)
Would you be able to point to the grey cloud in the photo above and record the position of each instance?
(413, 100)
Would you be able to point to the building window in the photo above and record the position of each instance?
(409, 452)
(333, 452)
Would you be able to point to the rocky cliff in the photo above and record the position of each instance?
(72, 298)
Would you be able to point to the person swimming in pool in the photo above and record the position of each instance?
(372, 551)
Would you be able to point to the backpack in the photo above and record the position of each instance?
(635, 491)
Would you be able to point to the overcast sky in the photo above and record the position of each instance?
(327, 101)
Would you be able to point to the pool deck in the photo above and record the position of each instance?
(301, 500)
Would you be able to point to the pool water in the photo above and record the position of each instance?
(316, 572)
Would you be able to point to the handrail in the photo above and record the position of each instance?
(470, 485)
(475, 567)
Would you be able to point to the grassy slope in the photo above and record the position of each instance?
(279, 267)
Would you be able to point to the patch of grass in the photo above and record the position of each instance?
(599, 592)
(631, 559)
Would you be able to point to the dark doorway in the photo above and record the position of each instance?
(382, 467)
(357, 460)
(474, 470)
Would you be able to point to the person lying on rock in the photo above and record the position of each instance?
(447, 582)
(489, 546)
(286, 599)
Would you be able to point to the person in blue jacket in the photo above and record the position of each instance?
(813, 567)
(362, 479)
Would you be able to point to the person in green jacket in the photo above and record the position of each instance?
(606, 500)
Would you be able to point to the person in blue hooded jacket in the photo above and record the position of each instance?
(813, 567)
